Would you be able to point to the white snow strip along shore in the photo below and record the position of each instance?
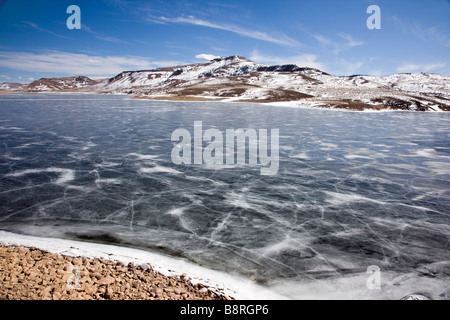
(232, 286)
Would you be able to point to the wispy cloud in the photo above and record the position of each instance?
(206, 56)
(303, 60)
(434, 66)
(59, 62)
(23, 79)
(35, 26)
(280, 39)
(350, 42)
(101, 36)
(349, 67)
(342, 42)
(409, 67)
(321, 39)
(441, 36)
(434, 34)
(412, 67)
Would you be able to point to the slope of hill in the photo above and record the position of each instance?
(10, 86)
(238, 79)
(61, 84)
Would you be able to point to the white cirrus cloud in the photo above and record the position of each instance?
(280, 39)
(434, 66)
(60, 62)
(206, 56)
(102, 36)
(349, 43)
(347, 68)
(412, 67)
(39, 28)
(436, 34)
(342, 42)
(303, 60)
(409, 67)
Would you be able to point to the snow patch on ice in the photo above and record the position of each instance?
(65, 175)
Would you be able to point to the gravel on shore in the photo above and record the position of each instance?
(34, 274)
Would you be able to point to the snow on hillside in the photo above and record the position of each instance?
(10, 86)
(227, 67)
(416, 82)
(61, 84)
(236, 78)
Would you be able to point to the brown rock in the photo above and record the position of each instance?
(109, 294)
(33, 274)
(90, 289)
(24, 278)
(56, 296)
(136, 284)
(106, 281)
(84, 272)
(86, 279)
(77, 261)
(143, 296)
(177, 290)
(157, 290)
(168, 290)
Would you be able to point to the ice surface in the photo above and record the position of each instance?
(65, 175)
(353, 190)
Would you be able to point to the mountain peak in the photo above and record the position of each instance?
(10, 85)
(236, 78)
(232, 58)
(58, 84)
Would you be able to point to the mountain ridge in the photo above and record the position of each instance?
(237, 79)
(10, 85)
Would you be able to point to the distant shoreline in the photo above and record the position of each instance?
(238, 79)
(308, 104)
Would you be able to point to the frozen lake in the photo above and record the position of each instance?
(353, 190)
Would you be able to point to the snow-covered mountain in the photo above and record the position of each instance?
(238, 79)
(10, 85)
(416, 82)
(61, 84)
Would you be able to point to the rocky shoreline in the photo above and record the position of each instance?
(34, 274)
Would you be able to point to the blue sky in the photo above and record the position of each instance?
(119, 35)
